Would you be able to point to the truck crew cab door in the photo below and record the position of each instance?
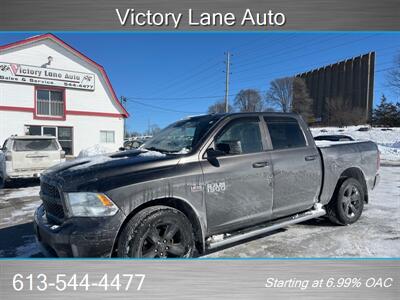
(237, 176)
(296, 166)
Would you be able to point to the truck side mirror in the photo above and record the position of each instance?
(211, 153)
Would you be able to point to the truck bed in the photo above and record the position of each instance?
(353, 156)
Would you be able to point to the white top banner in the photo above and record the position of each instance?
(18, 73)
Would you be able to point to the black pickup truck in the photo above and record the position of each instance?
(232, 175)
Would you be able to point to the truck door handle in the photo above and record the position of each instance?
(310, 157)
(260, 164)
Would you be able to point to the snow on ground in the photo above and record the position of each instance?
(18, 205)
(388, 139)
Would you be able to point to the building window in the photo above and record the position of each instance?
(49, 103)
(107, 136)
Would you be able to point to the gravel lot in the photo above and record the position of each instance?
(376, 234)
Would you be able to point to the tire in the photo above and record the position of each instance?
(157, 232)
(347, 203)
(2, 182)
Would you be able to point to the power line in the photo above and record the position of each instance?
(163, 108)
(233, 94)
(310, 53)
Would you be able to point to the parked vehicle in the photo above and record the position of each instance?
(28, 156)
(134, 143)
(238, 176)
(334, 138)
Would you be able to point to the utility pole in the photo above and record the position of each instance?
(227, 73)
(123, 102)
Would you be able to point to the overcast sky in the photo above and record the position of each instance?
(167, 76)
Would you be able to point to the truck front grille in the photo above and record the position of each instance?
(51, 202)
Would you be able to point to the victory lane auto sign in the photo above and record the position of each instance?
(18, 73)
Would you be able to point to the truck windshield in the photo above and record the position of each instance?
(181, 137)
(35, 145)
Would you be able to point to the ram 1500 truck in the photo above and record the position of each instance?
(235, 176)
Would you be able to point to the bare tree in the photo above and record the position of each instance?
(249, 100)
(302, 102)
(219, 107)
(393, 76)
(342, 113)
(280, 93)
(152, 130)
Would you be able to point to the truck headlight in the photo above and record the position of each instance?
(89, 205)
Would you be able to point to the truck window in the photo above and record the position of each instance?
(285, 132)
(240, 137)
(35, 145)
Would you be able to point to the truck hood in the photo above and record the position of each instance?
(104, 172)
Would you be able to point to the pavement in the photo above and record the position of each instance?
(376, 234)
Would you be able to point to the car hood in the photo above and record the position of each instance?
(104, 172)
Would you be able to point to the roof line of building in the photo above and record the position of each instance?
(76, 52)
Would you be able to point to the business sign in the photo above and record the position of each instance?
(19, 73)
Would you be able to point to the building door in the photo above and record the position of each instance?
(65, 137)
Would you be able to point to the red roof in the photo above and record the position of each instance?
(76, 52)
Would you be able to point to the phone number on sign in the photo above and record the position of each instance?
(63, 282)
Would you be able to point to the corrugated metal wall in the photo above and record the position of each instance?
(351, 80)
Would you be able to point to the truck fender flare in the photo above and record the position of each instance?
(180, 204)
(356, 173)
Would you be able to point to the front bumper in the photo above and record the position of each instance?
(77, 237)
(25, 174)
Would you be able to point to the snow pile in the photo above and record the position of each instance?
(91, 161)
(183, 151)
(387, 139)
(152, 154)
(94, 150)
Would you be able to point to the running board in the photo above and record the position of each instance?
(318, 211)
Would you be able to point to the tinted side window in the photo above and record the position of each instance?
(240, 137)
(285, 132)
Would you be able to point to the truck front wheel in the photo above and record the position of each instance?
(347, 203)
(157, 232)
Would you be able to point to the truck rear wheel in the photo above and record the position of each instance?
(157, 232)
(347, 203)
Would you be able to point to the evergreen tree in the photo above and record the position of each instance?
(386, 114)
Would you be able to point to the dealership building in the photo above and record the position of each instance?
(49, 88)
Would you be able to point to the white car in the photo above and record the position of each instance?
(28, 156)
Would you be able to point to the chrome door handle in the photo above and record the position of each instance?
(310, 157)
(260, 164)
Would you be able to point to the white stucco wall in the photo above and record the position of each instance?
(86, 128)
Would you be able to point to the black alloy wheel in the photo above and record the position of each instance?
(157, 232)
